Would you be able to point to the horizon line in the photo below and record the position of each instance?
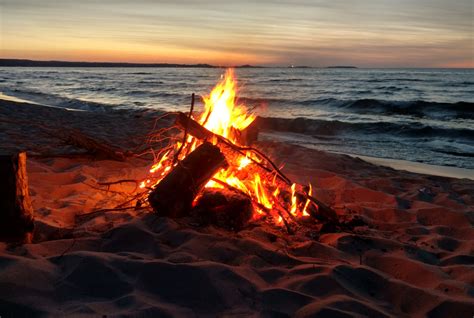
(16, 62)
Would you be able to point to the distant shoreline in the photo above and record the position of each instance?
(342, 66)
(34, 63)
(4, 62)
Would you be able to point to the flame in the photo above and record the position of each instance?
(244, 162)
(310, 192)
(294, 206)
(159, 164)
(260, 193)
(223, 116)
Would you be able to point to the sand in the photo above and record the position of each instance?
(419, 167)
(414, 259)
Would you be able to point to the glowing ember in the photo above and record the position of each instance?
(310, 192)
(224, 117)
(293, 199)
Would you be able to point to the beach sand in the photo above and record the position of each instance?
(414, 259)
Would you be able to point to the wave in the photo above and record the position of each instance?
(316, 127)
(456, 153)
(376, 80)
(151, 82)
(283, 80)
(416, 108)
(58, 101)
(391, 88)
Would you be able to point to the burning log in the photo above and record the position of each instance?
(193, 127)
(248, 135)
(198, 131)
(16, 211)
(323, 214)
(224, 208)
(174, 195)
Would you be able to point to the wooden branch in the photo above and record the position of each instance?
(249, 135)
(325, 213)
(224, 208)
(185, 136)
(200, 132)
(118, 182)
(174, 195)
(193, 127)
(16, 211)
(97, 147)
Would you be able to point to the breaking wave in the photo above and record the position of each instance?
(416, 108)
(316, 127)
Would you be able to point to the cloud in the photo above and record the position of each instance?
(313, 32)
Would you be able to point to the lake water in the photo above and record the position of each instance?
(423, 115)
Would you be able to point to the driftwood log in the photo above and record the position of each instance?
(16, 211)
(224, 208)
(324, 213)
(174, 195)
(99, 148)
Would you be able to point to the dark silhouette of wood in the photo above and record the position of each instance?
(193, 127)
(249, 135)
(224, 208)
(96, 147)
(324, 213)
(16, 211)
(174, 195)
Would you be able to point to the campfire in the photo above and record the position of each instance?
(206, 168)
(211, 169)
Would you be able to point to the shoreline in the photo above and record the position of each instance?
(397, 164)
(14, 99)
(417, 167)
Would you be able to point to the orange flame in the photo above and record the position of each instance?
(224, 117)
(310, 192)
(293, 199)
(221, 114)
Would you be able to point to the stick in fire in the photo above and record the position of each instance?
(249, 170)
(324, 213)
(174, 195)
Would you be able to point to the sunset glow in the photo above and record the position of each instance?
(316, 33)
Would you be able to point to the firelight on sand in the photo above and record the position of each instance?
(223, 116)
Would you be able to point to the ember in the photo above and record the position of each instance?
(179, 175)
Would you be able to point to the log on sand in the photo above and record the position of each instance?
(16, 211)
(324, 213)
(174, 195)
(98, 148)
(224, 208)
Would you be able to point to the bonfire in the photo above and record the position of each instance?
(211, 169)
(205, 167)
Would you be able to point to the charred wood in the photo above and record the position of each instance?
(174, 195)
(224, 208)
(324, 213)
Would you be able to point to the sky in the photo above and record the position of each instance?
(364, 33)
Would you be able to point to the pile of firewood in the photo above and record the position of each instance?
(175, 195)
(180, 193)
